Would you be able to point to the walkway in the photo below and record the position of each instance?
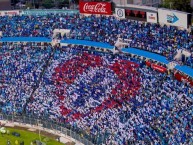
(159, 58)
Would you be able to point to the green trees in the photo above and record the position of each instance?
(55, 3)
(48, 4)
(62, 3)
(181, 5)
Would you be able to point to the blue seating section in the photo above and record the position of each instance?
(156, 57)
(105, 97)
(164, 40)
(94, 91)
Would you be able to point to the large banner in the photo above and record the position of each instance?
(151, 17)
(103, 8)
(182, 78)
(172, 17)
(120, 13)
(159, 68)
(156, 67)
(49, 11)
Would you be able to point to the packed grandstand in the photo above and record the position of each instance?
(113, 98)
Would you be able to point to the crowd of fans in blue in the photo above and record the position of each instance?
(115, 98)
(148, 36)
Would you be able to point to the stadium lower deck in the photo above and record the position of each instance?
(114, 98)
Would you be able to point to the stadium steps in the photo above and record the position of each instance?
(48, 61)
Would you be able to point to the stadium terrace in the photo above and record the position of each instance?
(115, 95)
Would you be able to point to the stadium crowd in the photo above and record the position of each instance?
(115, 98)
(165, 40)
(20, 68)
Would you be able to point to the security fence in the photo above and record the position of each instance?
(52, 125)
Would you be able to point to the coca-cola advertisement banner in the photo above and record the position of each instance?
(159, 68)
(95, 8)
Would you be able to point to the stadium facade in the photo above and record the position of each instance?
(153, 3)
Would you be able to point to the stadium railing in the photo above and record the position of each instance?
(47, 124)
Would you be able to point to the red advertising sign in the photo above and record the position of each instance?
(182, 78)
(9, 13)
(159, 68)
(95, 8)
(156, 67)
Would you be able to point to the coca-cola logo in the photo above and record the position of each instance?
(97, 8)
